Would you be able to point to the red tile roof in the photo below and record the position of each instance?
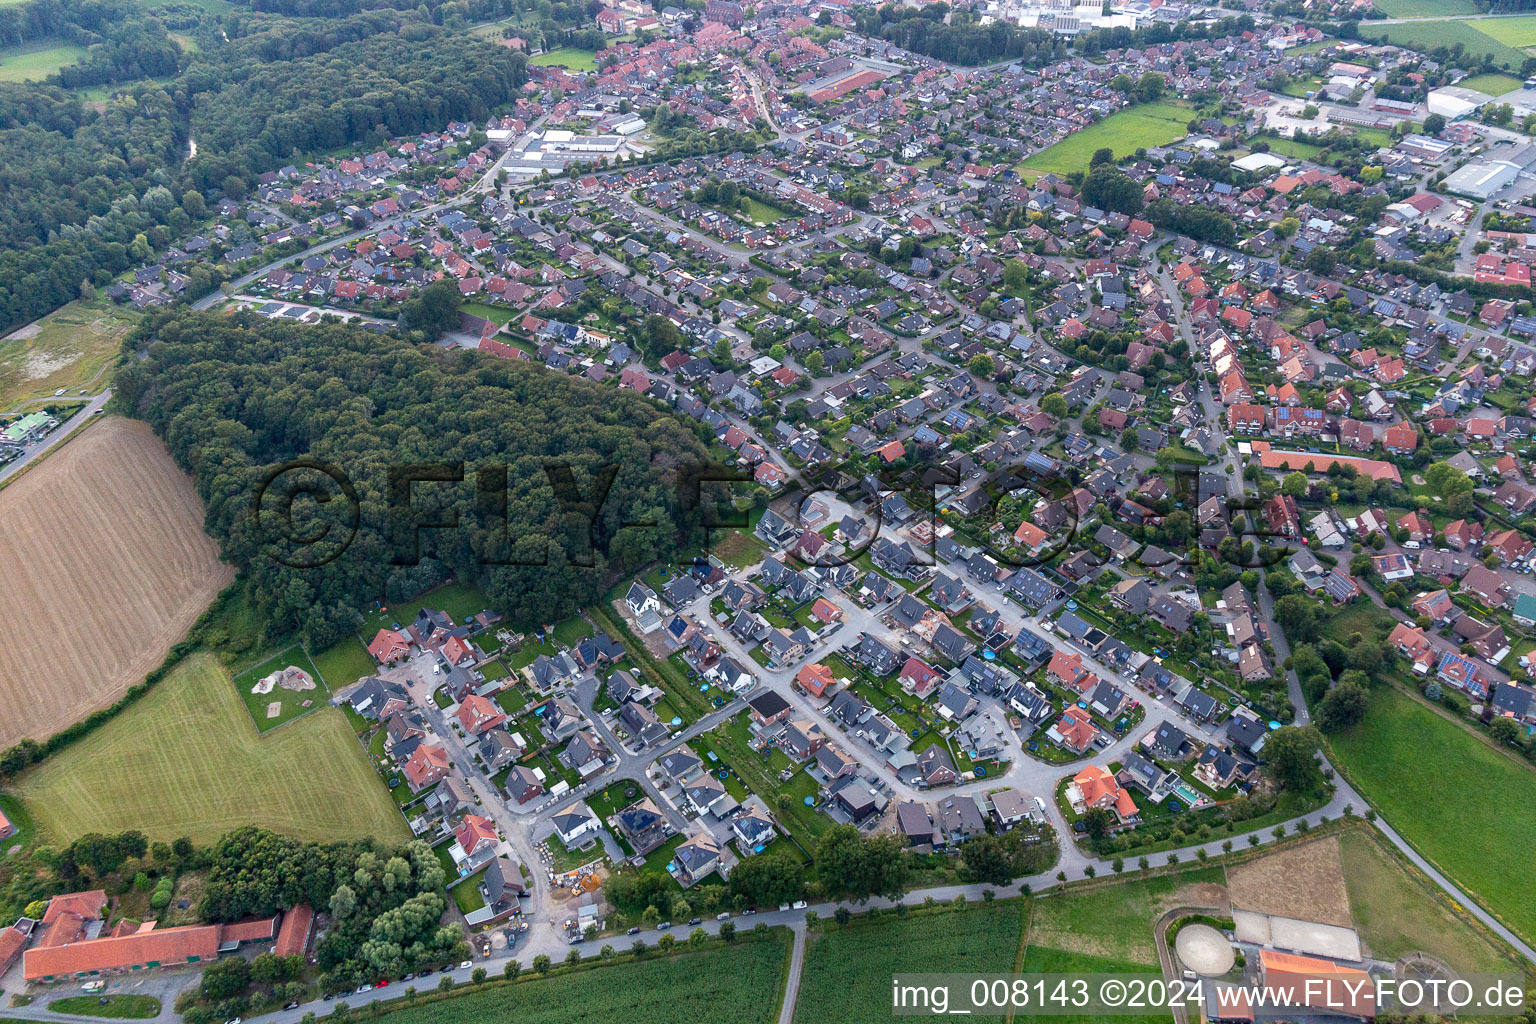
(294, 934)
(141, 949)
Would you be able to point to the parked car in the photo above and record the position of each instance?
(696, 920)
(633, 931)
(466, 965)
(664, 926)
(723, 915)
(799, 904)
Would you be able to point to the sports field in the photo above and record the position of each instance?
(1492, 84)
(185, 760)
(105, 552)
(36, 61)
(1467, 807)
(1124, 132)
(567, 57)
(68, 348)
(733, 984)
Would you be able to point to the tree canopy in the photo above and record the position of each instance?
(564, 483)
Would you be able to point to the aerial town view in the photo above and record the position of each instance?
(767, 512)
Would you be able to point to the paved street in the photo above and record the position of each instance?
(34, 451)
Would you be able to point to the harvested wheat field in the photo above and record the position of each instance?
(104, 549)
(1304, 881)
(185, 760)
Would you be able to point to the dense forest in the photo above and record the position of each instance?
(922, 30)
(86, 194)
(235, 396)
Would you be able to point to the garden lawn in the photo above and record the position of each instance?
(1465, 806)
(457, 599)
(345, 664)
(1150, 124)
(36, 61)
(185, 760)
(738, 983)
(847, 973)
(495, 314)
(467, 893)
(292, 701)
(116, 1007)
(567, 57)
(761, 213)
(20, 820)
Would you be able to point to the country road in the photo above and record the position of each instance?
(47, 444)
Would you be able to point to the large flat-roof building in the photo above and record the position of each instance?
(1454, 103)
(1493, 172)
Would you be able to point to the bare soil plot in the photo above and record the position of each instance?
(105, 558)
(1305, 882)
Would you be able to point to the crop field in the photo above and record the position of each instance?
(567, 57)
(1124, 132)
(847, 973)
(1043, 960)
(1465, 806)
(185, 760)
(734, 984)
(1516, 32)
(65, 349)
(36, 61)
(1425, 8)
(105, 551)
(1397, 912)
(269, 710)
(1426, 35)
